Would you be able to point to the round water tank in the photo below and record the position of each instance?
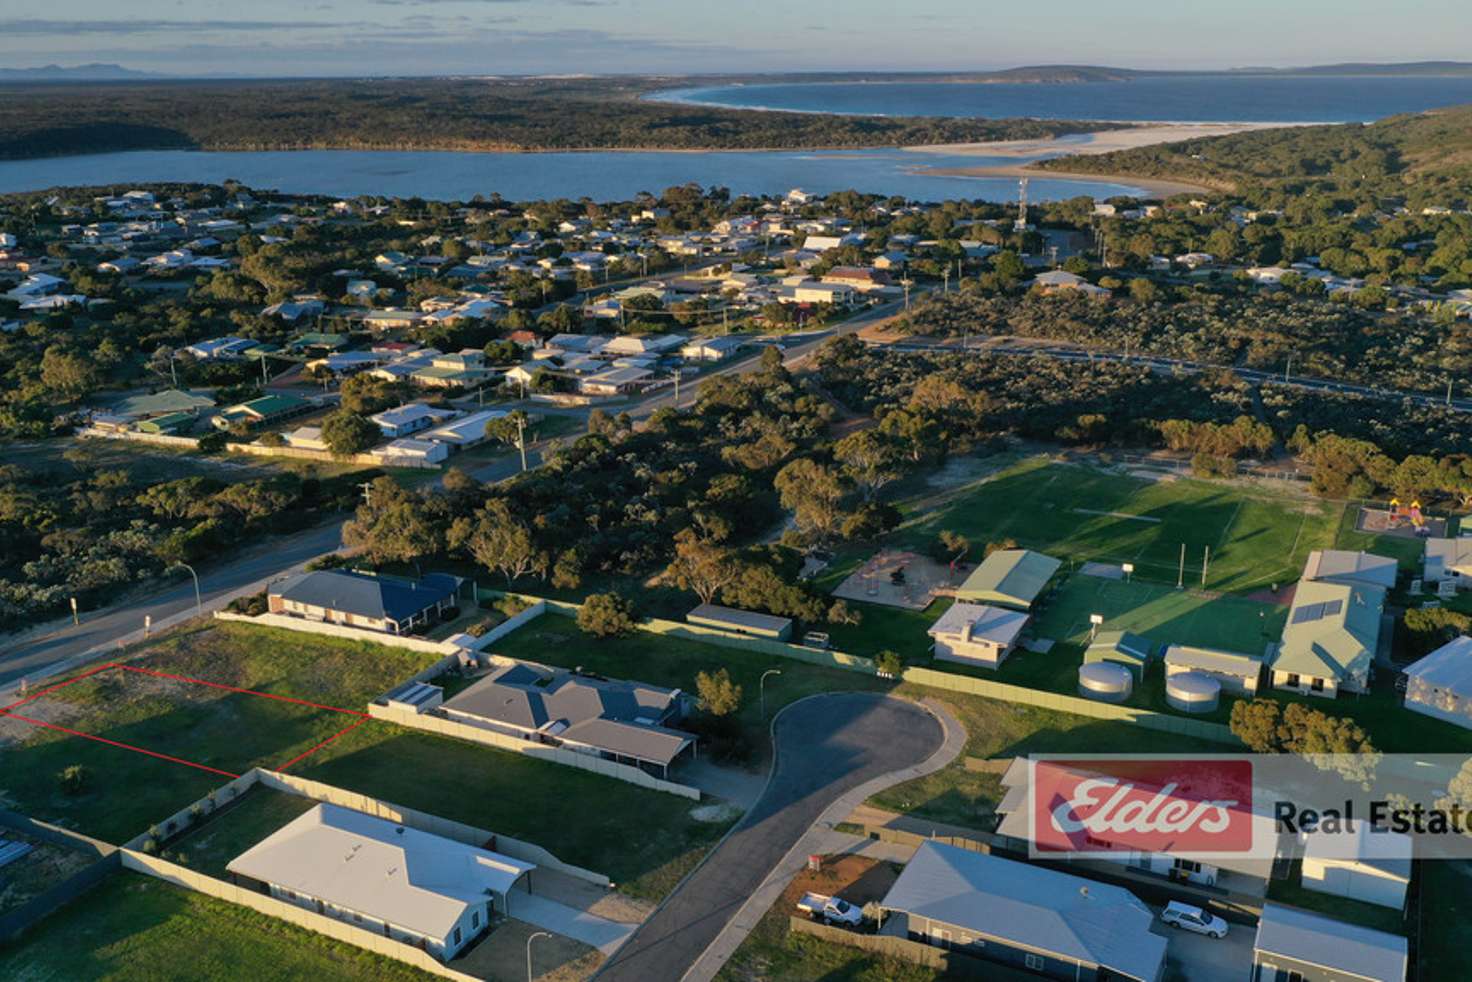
(1105, 681)
(1192, 692)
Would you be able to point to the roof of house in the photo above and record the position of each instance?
(1011, 577)
(1453, 553)
(1120, 646)
(1091, 922)
(272, 405)
(1212, 660)
(466, 428)
(1362, 845)
(1332, 944)
(1333, 630)
(612, 714)
(1448, 667)
(158, 403)
(1348, 566)
(409, 878)
(980, 623)
(366, 595)
(409, 413)
(740, 618)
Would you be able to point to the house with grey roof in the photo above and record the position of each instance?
(1440, 684)
(424, 890)
(1448, 559)
(628, 722)
(741, 621)
(392, 604)
(1026, 917)
(1009, 578)
(1297, 944)
(1330, 640)
(976, 634)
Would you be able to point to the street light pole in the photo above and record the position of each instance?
(198, 603)
(534, 936)
(762, 688)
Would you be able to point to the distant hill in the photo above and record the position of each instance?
(95, 72)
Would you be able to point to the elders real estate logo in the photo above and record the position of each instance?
(1175, 805)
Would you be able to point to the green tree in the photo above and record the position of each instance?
(347, 433)
(701, 566)
(606, 615)
(719, 696)
(1257, 723)
(814, 493)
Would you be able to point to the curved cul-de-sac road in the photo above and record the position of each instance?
(825, 746)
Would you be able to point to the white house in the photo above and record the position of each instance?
(1440, 684)
(465, 432)
(977, 634)
(410, 418)
(306, 438)
(1449, 559)
(1361, 864)
(408, 452)
(424, 890)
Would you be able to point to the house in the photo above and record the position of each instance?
(1449, 559)
(1009, 578)
(1440, 684)
(375, 603)
(1058, 280)
(388, 320)
(1121, 648)
(1237, 673)
(425, 890)
(265, 411)
(615, 381)
(861, 279)
(466, 431)
(1330, 640)
(1026, 917)
(221, 349)
(712, 349)
(621, 721)
(1362, 863)
(465, 367)
(976, 634)
(812, 291)
(409, 452)
(307, 438)
(1296, 944)
(1350, 568)
(162, 403)
(741, 621)
(411, 418)
(644, 344)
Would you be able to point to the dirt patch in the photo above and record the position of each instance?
(896, 579)
(47, 709)
(857, 879)
(37, 871)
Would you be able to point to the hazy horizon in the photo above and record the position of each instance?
(331, 38)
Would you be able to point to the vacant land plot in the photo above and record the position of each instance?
(37, 871)
(133, 928)
(1081, 514)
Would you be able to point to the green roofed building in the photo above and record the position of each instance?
(161, 403)
(1122, 648)
(1009, 578)
(168, 424)
(263, 411)
(1330, 640)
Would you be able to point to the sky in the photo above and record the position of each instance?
(490, 37)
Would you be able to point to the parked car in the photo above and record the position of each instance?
(817, 639)
(1193, 919)
(830, 910)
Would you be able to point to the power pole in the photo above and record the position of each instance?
(521, 439)
(1448, 392)
(1181, 575)
(1205, 562)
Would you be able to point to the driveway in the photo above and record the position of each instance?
(1202, 959)
(825, 745)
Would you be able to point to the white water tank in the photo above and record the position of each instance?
(1105, 681)
(1193, 692)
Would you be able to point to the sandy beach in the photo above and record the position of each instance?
(1101, 142)
(1153, 187)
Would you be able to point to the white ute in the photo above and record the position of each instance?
(1193, 919)
(830, 910)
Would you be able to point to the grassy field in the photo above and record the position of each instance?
(232, 830)
(1161, 613)
(128, 792)
(1292, 892)
(1446, 919)
(133, 928)
(1081, 514)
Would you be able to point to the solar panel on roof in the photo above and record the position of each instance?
(1308, 612)
(1333, 607)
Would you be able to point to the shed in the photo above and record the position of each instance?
(741, 621)
(1362, 864)
(1009, 578)
(1291, 941)
(1120, 648)
(1440, 684)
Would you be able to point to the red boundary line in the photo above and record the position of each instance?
(308, 753)
(232, 688)
(124, 746)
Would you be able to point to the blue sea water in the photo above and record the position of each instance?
(1197, 98)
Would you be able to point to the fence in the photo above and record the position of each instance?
(307, 453)
(301, 917)
(1020, 695)
(341, 631)
(510, 624)
(160, 439)
(21, 918)
(441, 726)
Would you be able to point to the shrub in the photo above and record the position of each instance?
(889, 664)
(73, 779)
(606, 615)
(719, 696)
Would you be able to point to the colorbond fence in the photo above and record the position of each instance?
(951, 964)
(929, 677)
(340, 631)
(16, 921)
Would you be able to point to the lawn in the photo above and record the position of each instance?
(126, 792)
(1446, 919)
(1081, 514)
(674, 662)
(235, 827)
(1292, 892)
(133, 928)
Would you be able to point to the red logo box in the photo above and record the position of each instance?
(1170, 805)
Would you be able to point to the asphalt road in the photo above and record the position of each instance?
(825, 746)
